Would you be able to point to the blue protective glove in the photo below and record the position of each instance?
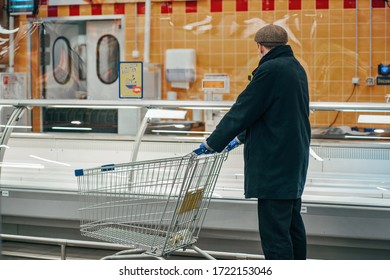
(203, 150)
(233, 144)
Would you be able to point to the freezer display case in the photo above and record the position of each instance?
(346, 203)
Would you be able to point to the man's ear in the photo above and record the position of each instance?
(262, 50)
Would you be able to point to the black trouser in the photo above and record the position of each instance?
(282, 232)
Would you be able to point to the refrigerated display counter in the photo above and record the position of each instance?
(346, 203)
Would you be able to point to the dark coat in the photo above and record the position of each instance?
(272, 115)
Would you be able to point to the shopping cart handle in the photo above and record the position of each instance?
(198, 151)
(103, 168)
(107, 167)
(203, 150)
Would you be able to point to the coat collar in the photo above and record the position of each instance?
(280, 51)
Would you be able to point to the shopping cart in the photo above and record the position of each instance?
(158, 205)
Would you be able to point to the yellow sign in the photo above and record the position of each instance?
(130, 79)
(191, 201)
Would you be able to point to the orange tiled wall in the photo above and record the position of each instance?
(331, 39)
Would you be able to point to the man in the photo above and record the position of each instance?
(271, 117)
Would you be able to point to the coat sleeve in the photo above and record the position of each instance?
(248, 109)
(241, 137)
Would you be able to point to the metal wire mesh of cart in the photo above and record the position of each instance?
(157, 205)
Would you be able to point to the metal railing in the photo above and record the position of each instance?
(125, 252)
(63, 243)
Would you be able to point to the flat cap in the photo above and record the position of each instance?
(271, 36)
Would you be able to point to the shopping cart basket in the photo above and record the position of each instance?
(157, 205)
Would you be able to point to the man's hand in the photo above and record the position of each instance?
(203, 149)
(233, 144)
